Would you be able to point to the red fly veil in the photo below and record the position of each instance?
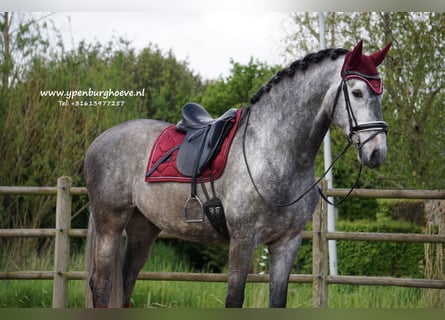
(364, 67)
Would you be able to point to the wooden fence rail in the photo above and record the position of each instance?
(319, 278)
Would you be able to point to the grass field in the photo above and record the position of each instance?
(176, 294)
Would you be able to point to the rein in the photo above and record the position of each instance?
(354, 128)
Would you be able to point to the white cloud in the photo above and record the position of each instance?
(207, 40)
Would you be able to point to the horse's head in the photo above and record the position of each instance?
(357, 108)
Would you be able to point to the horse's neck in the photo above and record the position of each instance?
(285, 130)
(295, 126)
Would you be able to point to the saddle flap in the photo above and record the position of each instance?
(191, 151)
(218, 131)
(202, 142)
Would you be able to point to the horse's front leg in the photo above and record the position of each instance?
(240, 255)
(282, 257)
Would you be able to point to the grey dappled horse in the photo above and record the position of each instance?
(271, 163)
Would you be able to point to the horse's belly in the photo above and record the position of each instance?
(164, 204)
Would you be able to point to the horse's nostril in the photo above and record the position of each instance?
(375, 155)
(375, 160)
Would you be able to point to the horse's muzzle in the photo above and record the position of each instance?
(373, 153)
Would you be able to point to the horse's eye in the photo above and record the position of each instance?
(357, 93)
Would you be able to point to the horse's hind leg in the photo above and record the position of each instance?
(107, 249)
(141, 234)
(105, 279)
(282, 257)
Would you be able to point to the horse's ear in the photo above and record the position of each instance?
(356, 55)
(378, 56)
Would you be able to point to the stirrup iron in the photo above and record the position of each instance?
(193, 199)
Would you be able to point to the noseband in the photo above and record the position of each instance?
(354, 127)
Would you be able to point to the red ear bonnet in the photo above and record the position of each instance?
(364, 67)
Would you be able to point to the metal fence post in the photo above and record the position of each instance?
(62, 242)
(320, 255)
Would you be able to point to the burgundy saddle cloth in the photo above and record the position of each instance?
(167, 170)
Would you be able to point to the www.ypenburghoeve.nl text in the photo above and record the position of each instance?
(104, 94)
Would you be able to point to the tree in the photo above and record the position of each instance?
(236, 90)
(44, 137)
(169, 83)
(21, 39)
(414, 87)
(415, 95)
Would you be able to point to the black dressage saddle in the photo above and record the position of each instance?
(204, 136)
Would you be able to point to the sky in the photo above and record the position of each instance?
(205, 33)
(206, 40)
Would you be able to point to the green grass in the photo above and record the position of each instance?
(177, 294)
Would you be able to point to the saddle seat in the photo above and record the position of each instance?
(204, 136)
(195, 116)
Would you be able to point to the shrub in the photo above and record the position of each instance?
(205, 257)
(411, 211)
(379, 258)
(371, 258)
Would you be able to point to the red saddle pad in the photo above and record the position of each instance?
(167, 171)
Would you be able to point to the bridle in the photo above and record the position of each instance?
(355, 127)
(353, 139)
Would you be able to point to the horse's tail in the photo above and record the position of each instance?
(116, 296)
(90, 261)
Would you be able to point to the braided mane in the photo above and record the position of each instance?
(302, 64)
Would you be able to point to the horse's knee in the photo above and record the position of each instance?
(240, 255)
(282, 258)
(235, 293)
(278, 294)
(277, 304)
(234, 301)
(236, 284)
